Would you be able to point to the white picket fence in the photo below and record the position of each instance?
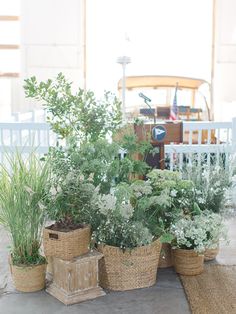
(199, 142)
(25, 135)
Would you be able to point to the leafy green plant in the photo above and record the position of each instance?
(98, 158)
(133, 164)
(172, 197)
(118, 225)
(101, 159)
(23, 186)
(216, 228)
(198, 232)
(75, 114)
(211, 182)
(72, 201)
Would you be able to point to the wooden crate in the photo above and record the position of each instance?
(77, 280)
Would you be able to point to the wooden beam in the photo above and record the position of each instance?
(9, 18)
(9, 74)
(9, 46)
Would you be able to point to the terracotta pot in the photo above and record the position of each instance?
(188, 262)
(66, 245)
(126, 270)
(28, 278)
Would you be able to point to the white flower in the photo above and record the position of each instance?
(126, 210)
(53, 191)
(81, 177)
(91, 177)
(106, 203)
(173, 193)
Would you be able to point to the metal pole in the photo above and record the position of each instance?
(123, 92)
(124, 60)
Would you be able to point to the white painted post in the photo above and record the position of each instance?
(234, 135)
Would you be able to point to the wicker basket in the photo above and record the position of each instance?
(128, 270)
(28, 278)
(188, 262)
(165, 256)
(66, 245)
(211, 254)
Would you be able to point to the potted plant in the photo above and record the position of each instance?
(71, 205)
(216, 230)
(75, 114)
(23, 185)
(131, 253)
(191, 238)
(212, 182)
(172, 197)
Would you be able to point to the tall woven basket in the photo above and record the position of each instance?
(66, 245)
(210, 254)
(28, 278)
(188, 262)
(128, 270)
(165, 256)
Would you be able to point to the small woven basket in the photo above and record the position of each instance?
(165, 256)
(28, 278)
(126, 270)
(66, 245)
(210, 254)
(188, 262)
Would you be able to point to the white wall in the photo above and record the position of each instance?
(225, 60)
(52, 42)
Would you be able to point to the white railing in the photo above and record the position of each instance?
(201, 138)
(24, 137)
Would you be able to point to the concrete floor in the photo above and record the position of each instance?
(166, 297)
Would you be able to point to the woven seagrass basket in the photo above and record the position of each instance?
(130, 269)
(188, 262)
(28, 278)
(211, 254)
(66, 245)
(165, 256)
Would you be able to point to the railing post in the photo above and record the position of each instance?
(234, 135)
(16, 116)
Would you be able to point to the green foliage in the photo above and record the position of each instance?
(77, 114)
(172, 197)
(211, 183)
(22, 205)
(72, 199)
(118, 226)
(198, 232)
(133, 164)
(98, 158)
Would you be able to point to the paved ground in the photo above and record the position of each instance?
(166, 297)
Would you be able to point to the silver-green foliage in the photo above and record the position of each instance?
(22, 210)
(119, 226)
(211, 180)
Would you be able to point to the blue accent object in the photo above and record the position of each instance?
(159, 133)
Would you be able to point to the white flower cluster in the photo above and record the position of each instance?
(198, 233)
(106, 203)
(141, 188)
